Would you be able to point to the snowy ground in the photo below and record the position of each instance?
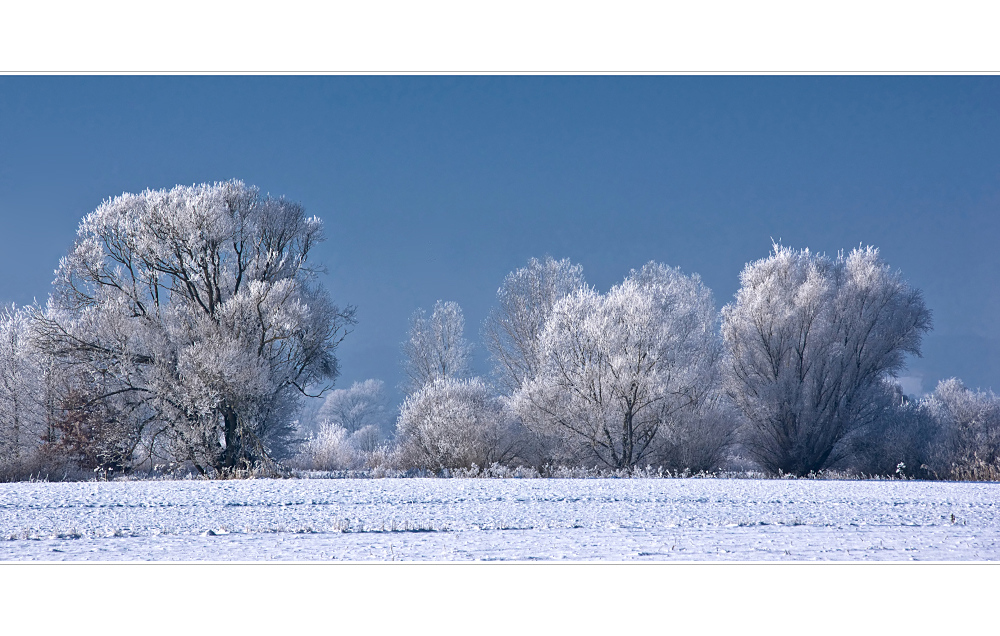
(493, 519)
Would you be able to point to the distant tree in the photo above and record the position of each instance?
(452, 423)
(811, 340)
(349, 429)
(33, 399)
(618, 371)
(20, 378)
(513, 329)
(968, 445)
(362, 405)
(436, 347)
(198, 308)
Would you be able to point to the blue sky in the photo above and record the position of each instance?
(436, 187)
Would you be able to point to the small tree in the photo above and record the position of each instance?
(811, 340)
(436, 347)
(37, 400)
(22, 379)
(17, 417)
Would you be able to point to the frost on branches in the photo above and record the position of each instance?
(618, 373)
(25, 394)
(452, 423)
(811, 340)
(194, 316)
(513, 329)
(968, 442)
(349, 430)
(448, 420)
(436, 347)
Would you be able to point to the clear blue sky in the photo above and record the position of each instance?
(436, 187)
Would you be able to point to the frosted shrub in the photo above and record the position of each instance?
(495, 471)
(330, 449)
(335, 448)
(969, 422)
(455, 424)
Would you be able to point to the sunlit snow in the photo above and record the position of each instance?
(500, 519)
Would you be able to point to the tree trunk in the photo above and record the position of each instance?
(231, 454)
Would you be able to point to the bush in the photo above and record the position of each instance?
(699, 441)
(968, 446)
(335, 448)
(455, 424)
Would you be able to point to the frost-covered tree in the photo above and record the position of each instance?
(453, 423)
(811, 340)
(618, 371)
(35, 393)
(349, 429)
(525, 300)
(968, 443)
(198, 307)
(364, 404)
(900, 441)
(21, 419)
(700, 437)
(436, 347)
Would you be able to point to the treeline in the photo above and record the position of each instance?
(187, 331)
(794, 377)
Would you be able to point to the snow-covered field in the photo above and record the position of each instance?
(495, 519)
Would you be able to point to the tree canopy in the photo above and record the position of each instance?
(811, 340)
(197, 310)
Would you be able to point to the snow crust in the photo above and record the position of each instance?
(500, 519)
